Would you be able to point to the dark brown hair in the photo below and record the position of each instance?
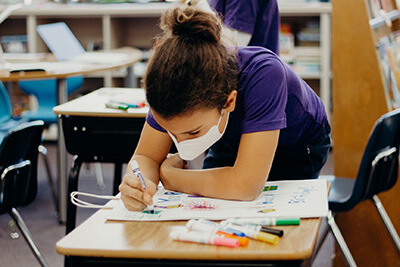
(190, 67)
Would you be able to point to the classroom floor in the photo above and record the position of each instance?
(41, 219)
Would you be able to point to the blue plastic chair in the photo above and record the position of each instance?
(46, 93)
(5, 105)
(7, 122)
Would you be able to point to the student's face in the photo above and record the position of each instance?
(198, 122)
(194, 124)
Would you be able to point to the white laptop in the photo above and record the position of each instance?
(65, 47)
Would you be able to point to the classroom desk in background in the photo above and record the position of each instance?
(94, 133)
(98, 242)
(61, 71)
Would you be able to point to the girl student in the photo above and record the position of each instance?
(246, 109)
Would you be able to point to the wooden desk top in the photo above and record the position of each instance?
(66, 69)
(93, 104)
(97, 237)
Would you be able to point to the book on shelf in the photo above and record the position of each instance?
(286, 42)
(309, 34)
(380, 7)
(388, 49)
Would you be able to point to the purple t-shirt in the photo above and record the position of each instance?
(260, 18)
(270, 97)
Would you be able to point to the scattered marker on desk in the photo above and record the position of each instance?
(273, 231)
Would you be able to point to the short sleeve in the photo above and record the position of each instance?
(265, 97)
(241, 15)
(153, 123)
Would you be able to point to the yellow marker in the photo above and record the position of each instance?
(253, 231)
(269, 238)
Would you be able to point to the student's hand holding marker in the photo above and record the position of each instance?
(136, 191)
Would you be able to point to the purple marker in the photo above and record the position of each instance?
(136, 170)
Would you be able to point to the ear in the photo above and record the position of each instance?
(231, 101)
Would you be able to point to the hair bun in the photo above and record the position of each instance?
(191, 22)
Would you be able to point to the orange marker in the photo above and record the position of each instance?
(211, 227)
(243, 241)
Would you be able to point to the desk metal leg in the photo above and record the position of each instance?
(117, 177)
(62, 97)
(131, 79)
(72, 186)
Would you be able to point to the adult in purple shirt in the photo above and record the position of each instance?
(252, 115)
(259, 18)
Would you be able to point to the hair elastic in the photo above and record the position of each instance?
(84, 204)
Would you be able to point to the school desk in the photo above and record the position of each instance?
(99, 242)
(95, 133)
(60, 71)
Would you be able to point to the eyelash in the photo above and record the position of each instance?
(194, 133)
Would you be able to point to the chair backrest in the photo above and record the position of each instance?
(46, 93)
(46, 90)
(5, 104)
(15, 185)
(380, 162)
(20, 145)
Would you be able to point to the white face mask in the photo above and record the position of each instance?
(192, 148)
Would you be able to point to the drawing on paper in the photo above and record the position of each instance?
(155, 212)
(266, 210)
(200, 205)
(300, 198)
(270, 188)
(301, 195)
(169, 206)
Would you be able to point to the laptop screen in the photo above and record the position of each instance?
(60, 40)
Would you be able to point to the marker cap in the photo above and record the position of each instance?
(243, 241)
(269, 238)
(226, 242)
(134, 164)
(273, 231)
(288, 221)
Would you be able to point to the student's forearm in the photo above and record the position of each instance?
(225, 183)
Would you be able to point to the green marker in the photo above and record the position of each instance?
(115, 105)
(266, 221)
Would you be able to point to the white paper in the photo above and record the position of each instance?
(300, 198)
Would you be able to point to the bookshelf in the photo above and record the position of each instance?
(360, 97)
(108, 26)
(318, 13)
(117, 25)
